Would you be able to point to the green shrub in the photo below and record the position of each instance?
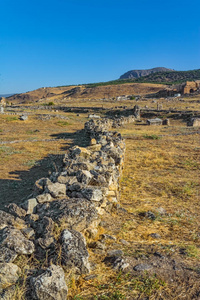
(152, 137)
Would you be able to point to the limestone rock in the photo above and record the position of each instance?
(80, 151)
(30, 205)
(55, 189)
(16, 211)
(13, 239)
(93, 194)
(50, 285)
(7, 219)
(77, 214)
(74, 252)
(44, 198)
(7, 255)
(8, 275)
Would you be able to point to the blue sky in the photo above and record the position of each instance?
(50, 43)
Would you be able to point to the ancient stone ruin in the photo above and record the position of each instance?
(76, 197)
(194, 122)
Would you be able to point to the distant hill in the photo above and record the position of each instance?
(92, 91)
(140, 73)
(170, 77)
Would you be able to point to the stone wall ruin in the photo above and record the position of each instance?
(75, 197)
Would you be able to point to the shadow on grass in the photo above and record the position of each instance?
(78, 138)
(19, 189)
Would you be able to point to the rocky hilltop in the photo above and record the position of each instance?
(140, 73)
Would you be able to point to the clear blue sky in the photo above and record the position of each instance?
(50, 43)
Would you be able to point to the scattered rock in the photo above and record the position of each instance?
(108, 237)
(120, 264)
(50, 285)
(23, 118)
(115, 253)
(142, 267)
(155, 235)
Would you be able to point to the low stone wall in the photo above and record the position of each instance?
(63, 208)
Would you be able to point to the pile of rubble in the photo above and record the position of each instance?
(87, 186)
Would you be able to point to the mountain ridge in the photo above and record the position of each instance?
(132, 74)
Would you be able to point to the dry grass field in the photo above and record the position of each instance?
(161, 176)
(159, 218)
(38, 148)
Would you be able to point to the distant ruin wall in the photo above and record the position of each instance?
(190, 87)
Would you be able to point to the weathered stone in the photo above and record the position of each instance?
(16, 211)
(23, 118)
(7, 219)
(43, 226)
(166, 122)
(115, 253)
(107, 237)
(44, 198)
(28, 232)
(120, 264)
(7, 255)
(30, 205)
(84, 176)
(93, 194)
(13, 239)
(55, 189)
(195, 122)
(50, 285)
(136, 111)
(47, 241)
(80, 151)
(155, 235)
(97, 245)
(155, 121)
(67, 179)
(142, 267)
(8, 275)
(77, 214)
(74, 252)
